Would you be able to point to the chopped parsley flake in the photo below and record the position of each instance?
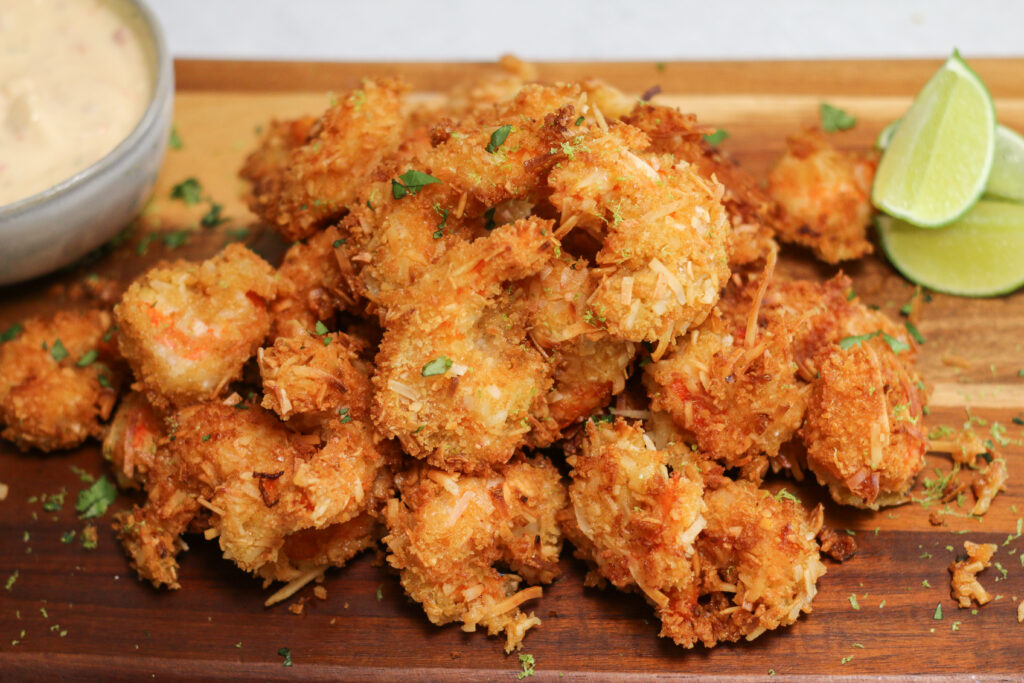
(783, 494)
(104, 381)
(212, 218)
(926, 584)
(847, 343)
(438, 366)
(286, 653)
(206, 437)
(58, 351)
(54, 502)
(88, 358)
(68, 536)
(897, 345)
(443, 213)
(834, 119)
(580, 120)
(11, 333)
(527, 662)
(914, 332)
(174, 140)
(321, 329)
(83, 475)
(188, 191)
(938, 612)
(344, 416)
(717, 137)
(380, 593)
(498, 138)
(412, 181)
(853, 601)
(338, 243)
(846, 659)
(94, 501)
(11, 579)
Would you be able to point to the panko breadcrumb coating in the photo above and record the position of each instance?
(186, 329)
(59, 378)
(965, 587)
(824, 196)
(311, 286)
(719, 560)
(446, 531)
(298, 188)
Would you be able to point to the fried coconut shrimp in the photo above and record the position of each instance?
(739, 397)
(257, 483)
(824, 196)
(455, 380)
(751, 211)
(446, 531)
(311, 287)
(187, 329)
(663, 230)
(315, 377)
(132, 440)
(305, 175)
(58, 380)
(719, 563)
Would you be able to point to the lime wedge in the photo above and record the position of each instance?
(977, 255)
(938, 160)
(1006, 180)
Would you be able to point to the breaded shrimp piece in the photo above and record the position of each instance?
(751, 210)
(279, 140)
(393, 234)
(132, 440)
(455, 380)
(58, 380)
(446, 532)
(333, 546)
(663, 229)
(315, 377)
(759, 567)
(586, 375)
(824, 195)
(322, 176)
(636, 511)
(187, 329)
(863, 429)
(310, 284)
(740, 401)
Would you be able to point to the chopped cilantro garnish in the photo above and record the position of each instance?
(321, 329)
(338, 243)
(438, 366)
(104, 381)
(94, 501)
(206, 437)
(847, 343)
(897, 345)
(188, 191)
(527, 662)
(851, 295)
(212, 218)
(287, 654)
(443, 213)
(490, 224)
(343, 414)
(783, 494)
(926, 584)
(11, 579)
(10, 333)
(498, 138)
(853, 601)
(580, 120)
(380, 592)
(412, 181)
(717, 137)
(846, 659)
(68, 536)
(88, 358)
(914, 332)
(938, 612)
(833, 118)
(174, 140)
(176, 238)
(58, 351)
(54, 502)
(83, 475)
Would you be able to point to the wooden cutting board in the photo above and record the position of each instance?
(79, 614)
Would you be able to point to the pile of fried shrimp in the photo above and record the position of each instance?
(527, 314)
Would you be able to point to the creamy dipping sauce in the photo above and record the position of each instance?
(75, 79)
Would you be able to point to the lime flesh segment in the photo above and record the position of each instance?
(939, 158)
(1006, 180)
(976, 255)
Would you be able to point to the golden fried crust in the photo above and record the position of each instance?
(759, 566)
(863, 430)
(741, 402)
(311, 285)
(315, 377)
(751, 210)
(59, 379)
(964, 584)
(455, 380)
(187, 329)
(664, 233)
(446, 531)
(321, 177)
(132, 440)
(824, 196)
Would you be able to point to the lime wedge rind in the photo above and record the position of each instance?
(939, 159)
(978, 255)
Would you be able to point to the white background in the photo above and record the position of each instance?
(382, 30)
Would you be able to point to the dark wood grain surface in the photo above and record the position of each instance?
(78, 614)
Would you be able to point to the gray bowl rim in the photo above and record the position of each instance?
(163, 84)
